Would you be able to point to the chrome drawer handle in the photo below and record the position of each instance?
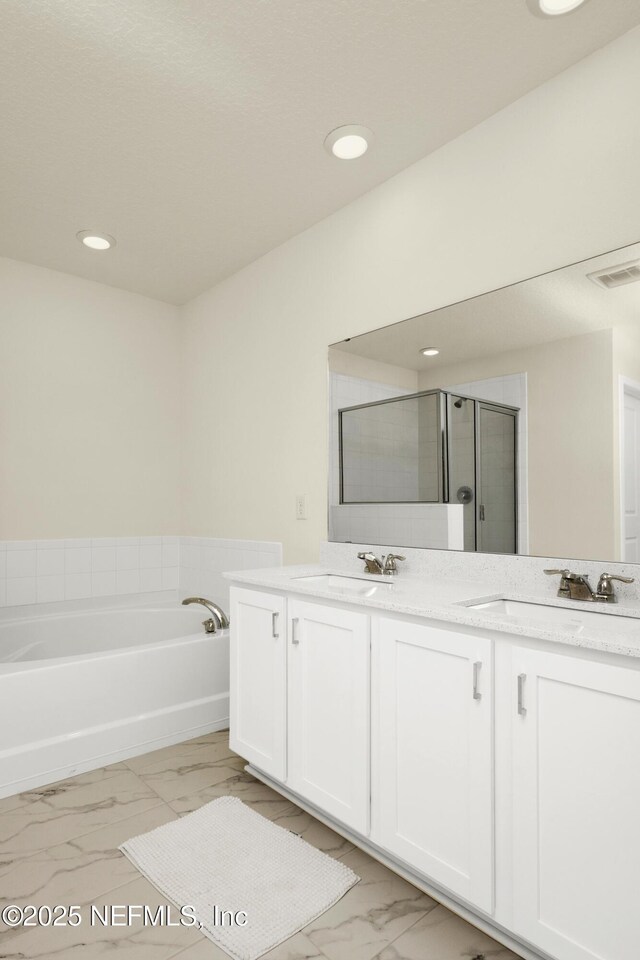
(476, 680)
(294, 631)
(522, 710)
(274, 625)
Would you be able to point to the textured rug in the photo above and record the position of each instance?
(251, 884)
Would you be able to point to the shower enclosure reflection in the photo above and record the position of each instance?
(435, 448)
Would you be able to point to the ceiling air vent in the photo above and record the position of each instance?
(617, 276)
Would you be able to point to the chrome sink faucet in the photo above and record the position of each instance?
(218, 619)
(576, 586)
(386, 566)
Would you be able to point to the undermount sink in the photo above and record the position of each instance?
(353, 586)
(560, 618)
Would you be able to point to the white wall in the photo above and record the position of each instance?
(89, 418)
(549, 180)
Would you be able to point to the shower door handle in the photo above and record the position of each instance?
(481, 512)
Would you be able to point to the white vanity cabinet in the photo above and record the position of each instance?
(432, 743)
(576, 805)
(328, 720)
(259, 680)
(500, 773)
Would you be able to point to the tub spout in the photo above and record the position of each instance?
(218, 616)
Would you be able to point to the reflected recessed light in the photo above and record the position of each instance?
(96, 241)
(349, 142)
(554, 8)
(429, 351)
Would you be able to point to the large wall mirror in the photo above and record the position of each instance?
(508, 423)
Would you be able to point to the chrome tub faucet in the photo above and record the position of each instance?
(218, 619)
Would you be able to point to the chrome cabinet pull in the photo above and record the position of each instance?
(522, 710)
(476, 678)
(274, 625)
(294, 631)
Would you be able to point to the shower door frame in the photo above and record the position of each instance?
(441, 441)
(505, 410)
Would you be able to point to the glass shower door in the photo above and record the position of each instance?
(496, 483)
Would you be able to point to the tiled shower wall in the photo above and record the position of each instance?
(47, 571)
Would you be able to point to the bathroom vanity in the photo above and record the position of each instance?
(488, 753)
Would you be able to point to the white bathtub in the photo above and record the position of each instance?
(84, 689)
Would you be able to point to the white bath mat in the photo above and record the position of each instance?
(226, 857)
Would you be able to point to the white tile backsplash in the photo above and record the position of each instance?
(50, 562)
(20, 590)
(77, 586)
(203, 560)
(128, 558)
(21, 563)
(77, 560)
(49, 571)
(150, 556)
(128, 581)
(103, 583)
(49, 589)
(103, 559)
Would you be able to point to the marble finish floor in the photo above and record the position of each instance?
(59, 845)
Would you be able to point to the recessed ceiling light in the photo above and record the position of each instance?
(429, 351)
(349, 142)
(96, 241)
(553, 8)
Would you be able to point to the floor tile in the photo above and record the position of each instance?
(92, 941)
(255, 794)
(189, 773)
(214, 745)
(59, 844)
(313, 831)
(298, 947)
(441, 935)
(371, 915)
(80, 869)
(60, 786)
(71, 808)
(204, 949)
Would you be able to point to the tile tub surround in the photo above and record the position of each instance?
(68, 853)
(427, 586)
(50, 571)
(203, 560)
(35, 572)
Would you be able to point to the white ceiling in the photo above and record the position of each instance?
(192, 130)
(556, 305)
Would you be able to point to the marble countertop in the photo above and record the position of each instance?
(448, 599)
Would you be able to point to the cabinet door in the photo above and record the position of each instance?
(329, 710)
(259, 679)
(576, 756)
(432, 728)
